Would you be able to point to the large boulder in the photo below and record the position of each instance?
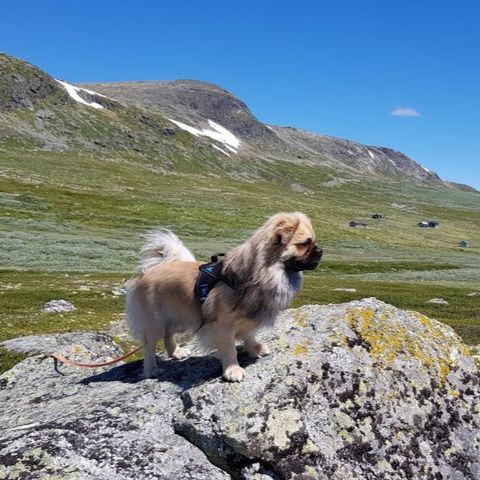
(360, 390)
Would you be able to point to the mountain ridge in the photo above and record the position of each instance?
(184, 104)
(170, 97)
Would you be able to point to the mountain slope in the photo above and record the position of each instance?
(364, 159)
(150, 118)
(24, 86)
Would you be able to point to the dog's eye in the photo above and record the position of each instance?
(308, 241)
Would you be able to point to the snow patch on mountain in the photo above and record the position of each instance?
(188, 128)
(73, 92)
(392, 162)
(216, 132)
(220, 149)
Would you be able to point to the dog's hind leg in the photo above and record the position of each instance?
(142, 329)
(254, 348)
(173, 350)
(150, 368)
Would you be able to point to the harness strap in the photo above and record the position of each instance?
(60, 358)
(209, 275)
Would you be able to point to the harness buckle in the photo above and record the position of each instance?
(214, 258)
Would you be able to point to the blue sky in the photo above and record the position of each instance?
(339, 68)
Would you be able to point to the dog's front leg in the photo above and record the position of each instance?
(224, 342)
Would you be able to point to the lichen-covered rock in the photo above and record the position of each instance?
(356, 391)
(102, 425)
(97, 343)
(360, 390)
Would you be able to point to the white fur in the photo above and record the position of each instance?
(162, 246)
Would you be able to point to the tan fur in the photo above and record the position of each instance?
(162, 301)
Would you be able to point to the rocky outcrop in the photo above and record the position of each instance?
(24, 86)
(360, 390)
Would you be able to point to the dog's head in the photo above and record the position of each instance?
(294, 239)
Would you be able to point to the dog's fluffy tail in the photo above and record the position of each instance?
(162, 246)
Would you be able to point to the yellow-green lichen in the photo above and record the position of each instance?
(388, 340)
(310, 448)
(310, 474)
(36, 456)
(282, 424)
(282, 342)
(301, 318)
(301, 350)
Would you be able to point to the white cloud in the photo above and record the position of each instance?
(405, 112)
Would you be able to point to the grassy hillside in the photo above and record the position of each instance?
(86, 212)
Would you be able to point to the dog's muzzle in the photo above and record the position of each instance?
(309, 263)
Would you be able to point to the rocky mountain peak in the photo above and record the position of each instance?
(190, 100)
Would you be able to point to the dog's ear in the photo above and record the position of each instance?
(284, 231)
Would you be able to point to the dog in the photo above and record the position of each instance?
(259, 278)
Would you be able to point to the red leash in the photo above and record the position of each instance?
(60, 358)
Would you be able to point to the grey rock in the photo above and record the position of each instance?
(58, 306)
(75, 342)
(118, 291)
(360, 390)
(257, 472)
(107, 425)
(438, 301)
(298, 187)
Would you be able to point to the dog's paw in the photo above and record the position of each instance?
(181, 353)
(234, 373)
(258, 350)
(263, 349)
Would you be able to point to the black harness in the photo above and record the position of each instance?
(208, 276)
